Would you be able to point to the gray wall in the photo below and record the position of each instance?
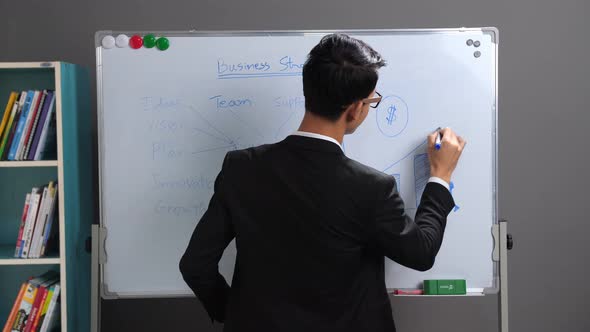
(544, 120)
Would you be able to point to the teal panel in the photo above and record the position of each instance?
(78, 191)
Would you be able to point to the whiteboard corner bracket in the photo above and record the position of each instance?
(106, 294)
(493, 32)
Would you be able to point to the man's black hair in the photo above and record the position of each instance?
(339, 70)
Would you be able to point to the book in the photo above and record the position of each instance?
(40, 221)
(21, 125)
(43, 312)
(23, 221)
(7, 111)
(31, 130)
(15, 307)
(50, 231)
(25, 306)
(11, 128)
(31, 219)
(25, 132)
(40, 296)
(53, 313)
(49, 101)
(6, 132)
(28, 300)
(47, 134)
(42, 289)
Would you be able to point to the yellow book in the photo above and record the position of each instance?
(6, 134)
(7, 111)
(25, 308)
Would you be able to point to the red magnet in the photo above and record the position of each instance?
(135, 42)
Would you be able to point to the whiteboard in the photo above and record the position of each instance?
(167, 119)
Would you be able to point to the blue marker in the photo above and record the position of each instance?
(437, 143)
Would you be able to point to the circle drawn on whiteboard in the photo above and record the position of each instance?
(108, 42)
(392, 116)
(476, 43)
(122, 41)
(469, 42)
(477, 54)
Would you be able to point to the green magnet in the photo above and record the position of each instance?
(149, 41)
(163, 43)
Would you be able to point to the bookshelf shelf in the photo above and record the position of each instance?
(72, 171)
(7, 253)
(43, 163)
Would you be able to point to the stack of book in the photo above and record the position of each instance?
(27, 130)
(37, 305)
(37, 232)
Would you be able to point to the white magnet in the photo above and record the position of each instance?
(122, 41)
(108, 42)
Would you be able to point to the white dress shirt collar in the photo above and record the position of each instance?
(318, 136)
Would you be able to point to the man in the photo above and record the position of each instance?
(312, 227)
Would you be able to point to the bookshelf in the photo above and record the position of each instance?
(40, 163)
(7, 251)
(73, 171)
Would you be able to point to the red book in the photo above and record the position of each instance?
(23, 221)
(36, 309)
(38, 103)
(37, 316)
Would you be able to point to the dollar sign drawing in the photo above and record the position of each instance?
(391, 114)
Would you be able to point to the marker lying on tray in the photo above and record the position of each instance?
(408, 292)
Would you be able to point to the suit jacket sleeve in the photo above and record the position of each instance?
(199, 264)
(412, 243)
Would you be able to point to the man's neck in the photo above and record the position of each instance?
(312, 123)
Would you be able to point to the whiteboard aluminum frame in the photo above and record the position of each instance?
(500, 279)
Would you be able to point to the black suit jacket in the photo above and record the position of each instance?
(312, 228)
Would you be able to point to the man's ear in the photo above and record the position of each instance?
(353, 111)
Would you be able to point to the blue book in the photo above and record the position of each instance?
(21, 125)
